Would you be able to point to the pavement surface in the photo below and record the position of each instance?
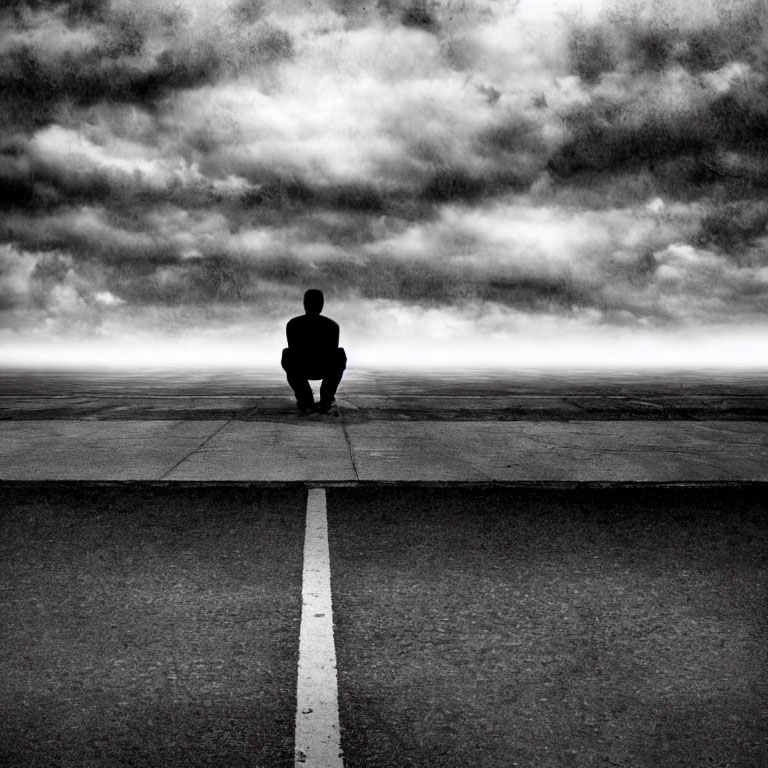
(494, 627)
(149, 627)
(366, 396)
(485, 426)
(551, 628)
(488, 427)
(155, 622)
(328, 451)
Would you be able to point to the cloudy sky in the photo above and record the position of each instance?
(469, 181)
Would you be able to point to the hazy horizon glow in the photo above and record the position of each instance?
(471, 183)
(722, 350)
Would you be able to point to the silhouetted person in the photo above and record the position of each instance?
(313, 352)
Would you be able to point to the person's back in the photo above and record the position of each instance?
(315, 339)
(313, 352)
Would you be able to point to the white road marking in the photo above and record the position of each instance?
(317, 741)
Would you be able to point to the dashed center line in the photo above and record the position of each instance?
(317, 741)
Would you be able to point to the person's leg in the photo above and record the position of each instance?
(297, 380)
(332, 378)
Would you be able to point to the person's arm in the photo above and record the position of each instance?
(291, 334)
(334, 335)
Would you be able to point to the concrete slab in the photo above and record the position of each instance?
(410, 450)
(103, 450)
(269, 451)
(320, 449)
(554, 451)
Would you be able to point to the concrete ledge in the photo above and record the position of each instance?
(330, 451)
(750, 486)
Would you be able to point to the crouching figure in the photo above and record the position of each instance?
(313, 352)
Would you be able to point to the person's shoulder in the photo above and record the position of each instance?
(327, 321)
(298, 320)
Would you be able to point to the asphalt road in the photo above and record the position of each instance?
(551, 628)
(158, 626)
(149, 627)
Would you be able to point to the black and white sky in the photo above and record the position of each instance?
(469, 181)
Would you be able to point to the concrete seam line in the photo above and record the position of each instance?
(350, 449)
(317, 740)
(196, 449)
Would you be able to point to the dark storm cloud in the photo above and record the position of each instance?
(659, 91)
(431, 16)
(739, 230)
(433, 157)
(84, 53)
(33, 180)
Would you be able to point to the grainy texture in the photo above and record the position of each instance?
(149, 627)
(580, 628)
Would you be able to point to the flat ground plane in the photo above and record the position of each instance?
(488, 427)
(526, 570)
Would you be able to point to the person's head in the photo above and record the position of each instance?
(313, 301)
